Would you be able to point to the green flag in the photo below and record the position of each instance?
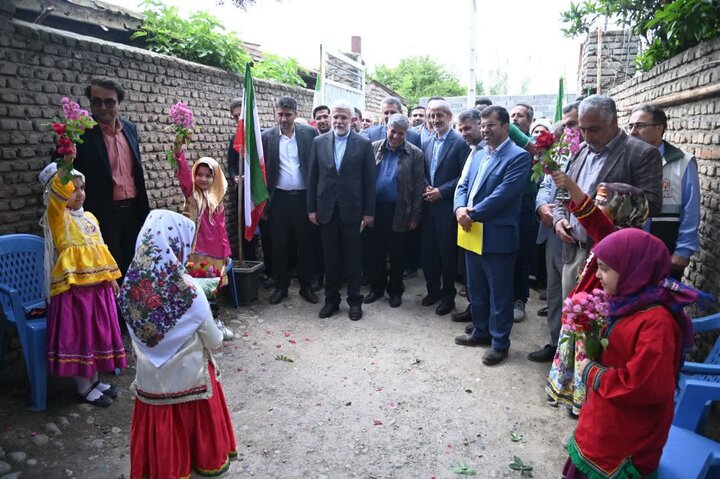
(559, 102)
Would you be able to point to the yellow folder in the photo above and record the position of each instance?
(471, 240)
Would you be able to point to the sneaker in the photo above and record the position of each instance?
(519, 310)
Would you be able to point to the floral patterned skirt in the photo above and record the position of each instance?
(564, 382)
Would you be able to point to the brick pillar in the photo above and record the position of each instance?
(617, 60)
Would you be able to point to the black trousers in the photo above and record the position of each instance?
(341, 246)
(266, 246)
(289, 221)
(439, 249)
(121, 232)
(386, 243)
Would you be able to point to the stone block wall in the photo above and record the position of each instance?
(618, 52)
(687, 87)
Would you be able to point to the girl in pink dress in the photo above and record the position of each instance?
(204, 189)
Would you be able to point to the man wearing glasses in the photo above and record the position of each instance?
(608, 155)
(110, 160)
(679, 220)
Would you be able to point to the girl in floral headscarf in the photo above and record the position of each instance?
(180, 421)
(627, 416)
(616, 206)
(204, 189)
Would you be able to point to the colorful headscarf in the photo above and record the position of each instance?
(213, 197)
(643, 265)
(157, 299)
(625, 205)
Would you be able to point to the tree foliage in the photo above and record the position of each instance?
(418, 76)
(669, 27)
(202, 38)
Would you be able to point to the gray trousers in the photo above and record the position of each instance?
(555, 297)
(571, 268)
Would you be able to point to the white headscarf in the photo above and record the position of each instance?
(158, 301)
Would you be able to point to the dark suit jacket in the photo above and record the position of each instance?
(633, 162)
(379, 132)
(304, 136)
(453, 154)
(352, 188)
(497, 202)
(92, 160)
(233, 161)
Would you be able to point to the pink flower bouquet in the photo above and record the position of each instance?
(69, 132)
(182, 122)
(584, 317)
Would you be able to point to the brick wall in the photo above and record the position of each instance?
(41, 65)
(38, 66)
(618, 52)
(693, 126)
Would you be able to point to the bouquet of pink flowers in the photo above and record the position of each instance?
(183, 123)
(69, 132)
(551, 151)
(584, 317)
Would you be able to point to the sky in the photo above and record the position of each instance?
(521, 37)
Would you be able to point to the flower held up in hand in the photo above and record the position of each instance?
(69, 132)
(182, 122)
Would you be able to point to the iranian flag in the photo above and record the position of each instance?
(249, 145)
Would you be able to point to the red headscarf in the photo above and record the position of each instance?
(642, 262)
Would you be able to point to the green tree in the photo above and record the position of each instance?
(669, 27)
(202, 38)
(418, 76)
(498, 80)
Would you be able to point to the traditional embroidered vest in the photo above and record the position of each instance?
(667, 224)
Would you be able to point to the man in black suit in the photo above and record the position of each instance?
(341, 199)
(445, 155)
(110, 160)
(389, 107)
(287, 156)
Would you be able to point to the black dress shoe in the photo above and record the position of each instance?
(544, 355)
(543, 312)
(372, 296)
(355, 312)
(316, 284)
(309, 296)
(430, 299)
(463, 317)
(469, 328)
(268, 283)
(467, 340)
(395, 301)
(445, 307)
(493, 356)
(328, 310)
(277, 296)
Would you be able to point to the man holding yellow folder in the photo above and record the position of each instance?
(490, 194)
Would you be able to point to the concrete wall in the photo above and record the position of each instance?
(544, 105)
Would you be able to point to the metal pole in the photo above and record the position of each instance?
(472, 60)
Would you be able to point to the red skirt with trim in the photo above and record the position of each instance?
(171, 441)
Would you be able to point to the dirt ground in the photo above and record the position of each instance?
(390, 396)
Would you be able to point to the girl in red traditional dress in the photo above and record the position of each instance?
(625, 422)
(180, 422)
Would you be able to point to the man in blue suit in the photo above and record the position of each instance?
(491, 194)
(445, 155)
(389, 107)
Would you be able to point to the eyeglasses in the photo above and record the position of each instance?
(639, 125)
(108, 102)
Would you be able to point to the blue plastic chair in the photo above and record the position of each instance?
(688, 454)
(22, 288)
(710, 369)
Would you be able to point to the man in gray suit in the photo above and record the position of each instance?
(341, 199)
(287, 156)
(608, 155)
